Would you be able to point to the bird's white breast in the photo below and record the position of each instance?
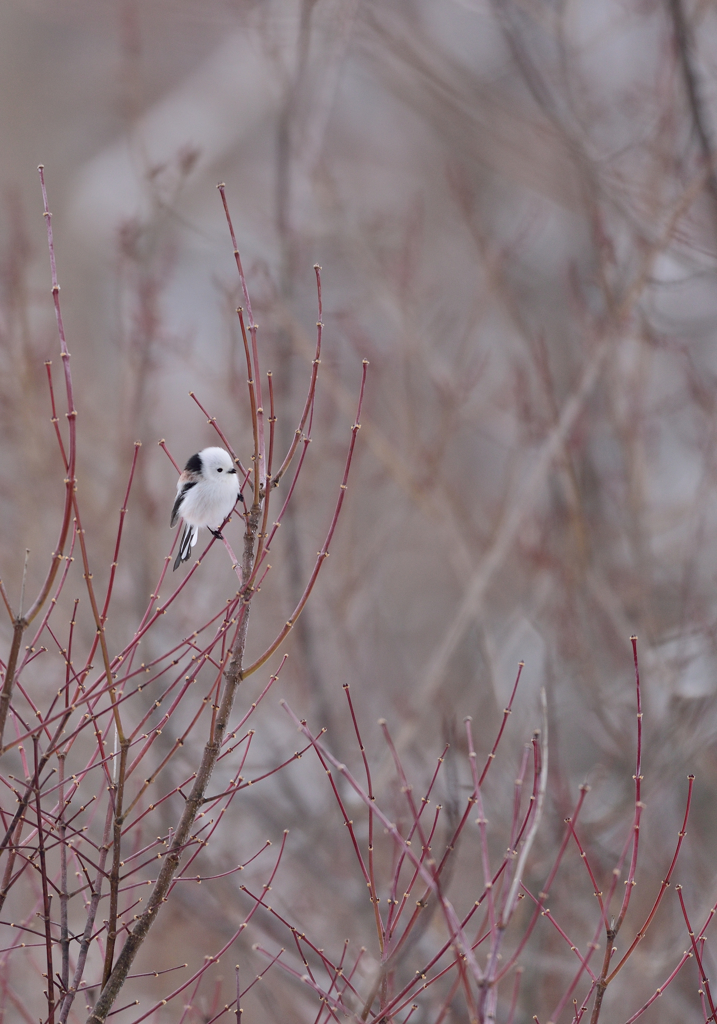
(210, 501)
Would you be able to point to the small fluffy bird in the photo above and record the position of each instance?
(207, 491)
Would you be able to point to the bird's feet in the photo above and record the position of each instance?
(217, 534)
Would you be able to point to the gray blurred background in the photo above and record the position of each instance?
(515, 208)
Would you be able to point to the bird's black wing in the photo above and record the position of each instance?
(185, 545)
(175, 508)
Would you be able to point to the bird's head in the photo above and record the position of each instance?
(216, 463)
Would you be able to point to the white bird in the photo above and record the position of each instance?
(207, 491)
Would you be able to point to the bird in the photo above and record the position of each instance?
(207, 491)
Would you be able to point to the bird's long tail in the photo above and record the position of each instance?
(189, 539)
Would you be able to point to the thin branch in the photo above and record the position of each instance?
(686, 53)
(324, 553)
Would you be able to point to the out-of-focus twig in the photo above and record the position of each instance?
(684, 44)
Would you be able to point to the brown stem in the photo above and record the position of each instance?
(89, 922)
(7, 877)
(170, 865)
(45, 903)
(64, 896)
(18, 630)
(116, 856)
(603, 979)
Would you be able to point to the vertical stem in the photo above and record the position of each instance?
(704, 980)
(90, 921)
(18, 630)
(605, 977)
(252, 403)
(7, 877)
(64, 896)
(45, 900)
(373, 894)
(23, 621)
(116, 857)
(698, 108)
(259, 419)
(24, 580)
(170, 864)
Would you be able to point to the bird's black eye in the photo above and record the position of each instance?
(219, 469)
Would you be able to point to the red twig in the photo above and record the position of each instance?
(700, 967)
(666, 881)
(323, 554)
